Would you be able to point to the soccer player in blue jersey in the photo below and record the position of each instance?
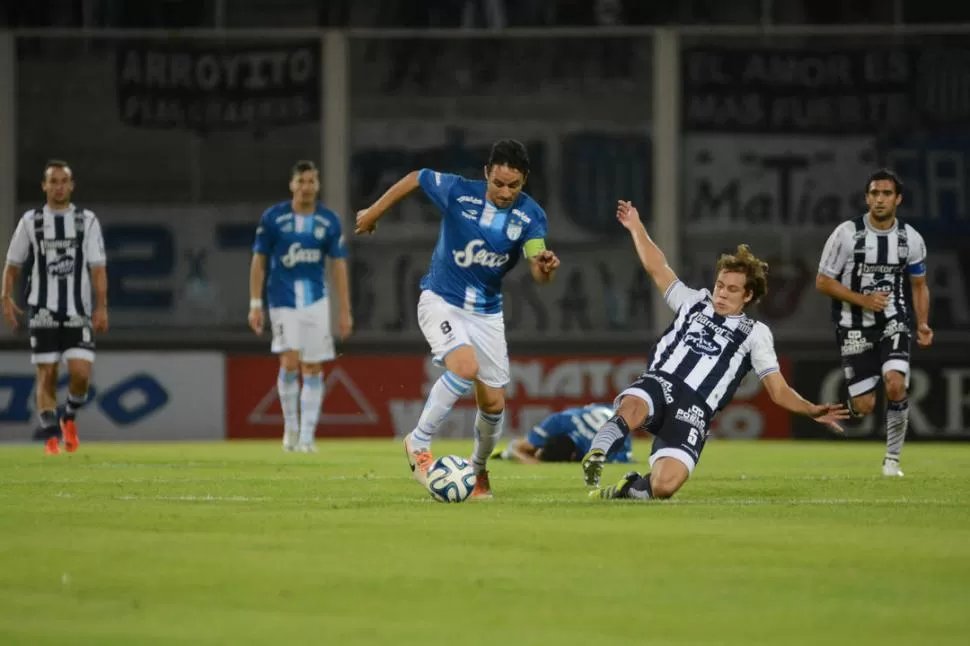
(566, 436)
(486, 226)
(293, 241)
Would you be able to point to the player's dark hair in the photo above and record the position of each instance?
(744, 262)
(302, 166)
(57, 163)
(885, 174)
(558, 448)
(511, 153)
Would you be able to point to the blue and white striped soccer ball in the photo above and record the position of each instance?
(451, 479)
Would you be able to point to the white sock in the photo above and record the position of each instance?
(444, 394)
(310, 398)
(288, 387)
(488, 428)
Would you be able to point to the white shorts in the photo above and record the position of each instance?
(70, 354)
(447, 328)
(306, 330)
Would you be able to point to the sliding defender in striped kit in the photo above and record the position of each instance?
(693, 370)
(874, 268)
(62, 244)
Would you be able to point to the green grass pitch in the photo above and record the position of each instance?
(238, 543)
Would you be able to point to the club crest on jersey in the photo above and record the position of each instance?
(319, 232)
(514, 230)
(702, 342)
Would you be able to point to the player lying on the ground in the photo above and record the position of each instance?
(565, 436)
(693, 370)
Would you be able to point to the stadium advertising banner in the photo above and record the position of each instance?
(134, 396)
(862, 90)
(382, 396)
(208, 86)
(939, 399)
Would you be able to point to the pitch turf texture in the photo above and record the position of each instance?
(239, 543)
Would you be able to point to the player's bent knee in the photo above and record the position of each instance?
(863, 404)
(668, 476)
(311, 368)
(462, 362)
(895, 386)
(634, 411)
(290, 361)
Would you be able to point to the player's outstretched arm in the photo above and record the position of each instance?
(785, 396)
(651, 257)
(367, 218)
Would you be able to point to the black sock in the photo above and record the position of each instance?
(74, 404)
(48, 424)
(641, 488)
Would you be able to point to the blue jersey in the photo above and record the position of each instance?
(297, 247)
(580, 424)
(478, 243)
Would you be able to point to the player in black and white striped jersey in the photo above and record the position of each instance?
(874, 268)
(693, 370)
(65, 245)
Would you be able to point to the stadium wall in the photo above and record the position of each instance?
(187, 395)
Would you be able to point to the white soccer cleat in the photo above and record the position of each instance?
(289, 440)
(890, 468)
(306, 447)
(420, 461)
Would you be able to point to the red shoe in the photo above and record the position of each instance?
(70, 435)
(52, 446)
(483, 489)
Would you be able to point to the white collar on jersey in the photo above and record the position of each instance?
(866, 219)
(69, 209)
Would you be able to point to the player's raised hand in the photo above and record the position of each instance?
(99, 320)
(628, 215)
(256, 321)
(876, 301)
(366, 222)
(924, 336)
(830, 415)
(547, 261)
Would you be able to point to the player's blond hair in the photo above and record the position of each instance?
(754, 269)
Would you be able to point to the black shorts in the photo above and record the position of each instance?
(52, 338)
(679, 419)
(868, 353)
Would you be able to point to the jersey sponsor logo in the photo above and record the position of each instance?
(885, 286)
(42, 319)
(894, 327)
(471, 214)
(57, 245)
(470, 200)
(855, 343)
(702, 342)
(474, 254)
(521, 215)
(297, 255)
(514, 230)
(694, 416)
(866, 268)
(62, 267)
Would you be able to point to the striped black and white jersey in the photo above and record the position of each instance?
(63, 245)
(708, 352)
(867, 260)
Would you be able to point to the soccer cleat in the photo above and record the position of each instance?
(52, 446)
(619, 490)
(483, 488)
(69, 429)
(890, 468)
(420, 461)
(593, 466)
(289, 440)
(306, 447)
(496, 454)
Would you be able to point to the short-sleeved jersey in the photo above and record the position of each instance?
(580, 424)
(297, 247)
(478, 243)
(867, 260)
(708, 352)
